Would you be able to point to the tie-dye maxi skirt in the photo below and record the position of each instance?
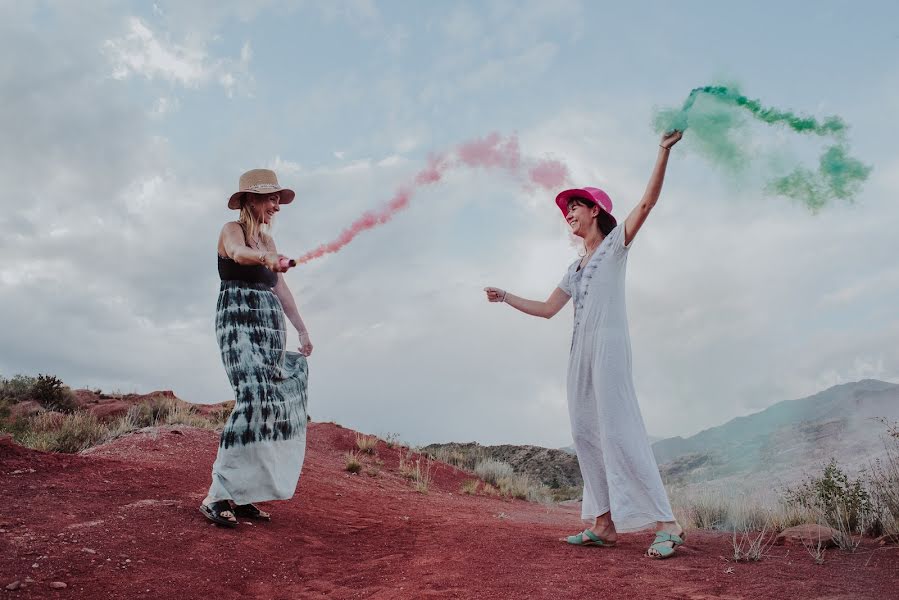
(263, 444)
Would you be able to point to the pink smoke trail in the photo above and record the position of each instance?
(491, 152)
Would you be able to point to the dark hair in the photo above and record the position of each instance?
(603, 219)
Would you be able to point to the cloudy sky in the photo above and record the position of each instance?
(126, 126)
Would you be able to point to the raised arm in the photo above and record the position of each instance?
(547, 309)
(635, 220)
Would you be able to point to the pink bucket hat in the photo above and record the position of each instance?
(590, 194)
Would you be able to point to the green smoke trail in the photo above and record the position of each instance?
(717, 117)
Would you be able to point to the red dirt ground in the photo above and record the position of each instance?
(121, 521)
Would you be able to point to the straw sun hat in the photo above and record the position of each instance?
(259, 181)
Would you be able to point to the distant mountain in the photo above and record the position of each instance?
(788, 439)
(777, 446)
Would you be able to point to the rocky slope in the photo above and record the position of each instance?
(555, 468)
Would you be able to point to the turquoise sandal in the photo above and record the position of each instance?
(588, 538)
(661, 541)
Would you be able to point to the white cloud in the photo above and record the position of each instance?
(735, 300)
(140, 52)
(285, 167)
(164, 106)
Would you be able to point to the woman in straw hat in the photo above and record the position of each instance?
(263, 443)
(622, 487)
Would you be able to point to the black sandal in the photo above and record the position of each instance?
(248, 511)
(214, 511)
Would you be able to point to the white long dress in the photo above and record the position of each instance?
(619, 470)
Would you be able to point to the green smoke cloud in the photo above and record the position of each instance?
(718, 116)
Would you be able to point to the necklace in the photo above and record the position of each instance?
(588, 254)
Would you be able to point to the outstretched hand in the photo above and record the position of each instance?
(671, 138)
(276, 262)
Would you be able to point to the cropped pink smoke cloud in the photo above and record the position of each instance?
(492, 152)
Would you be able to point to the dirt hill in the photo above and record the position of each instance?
(121, 521)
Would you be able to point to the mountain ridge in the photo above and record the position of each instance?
(779, 444)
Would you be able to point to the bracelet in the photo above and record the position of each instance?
(504, 296)
(664, 147)
(262, 258)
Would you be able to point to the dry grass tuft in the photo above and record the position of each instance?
(352, 463)
(367, 444)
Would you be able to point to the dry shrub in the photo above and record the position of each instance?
(58, 432)
(352, 462)
(470, 487)
(367, 444)
(492, 470)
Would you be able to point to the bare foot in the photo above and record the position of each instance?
(605, 531)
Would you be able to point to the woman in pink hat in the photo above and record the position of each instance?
(623, 490)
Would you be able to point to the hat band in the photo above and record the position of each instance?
(262, 187)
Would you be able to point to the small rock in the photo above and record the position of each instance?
(89, 550)
(14, 586)
(58, 585)
(807, 535)
(35, 566)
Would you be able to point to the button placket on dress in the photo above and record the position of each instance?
(582, 285)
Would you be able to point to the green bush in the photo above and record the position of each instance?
(842, 503)
(51, 393)
(884, 482)
(16, 389)
(47, 390)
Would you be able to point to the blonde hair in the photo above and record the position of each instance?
(252, 227)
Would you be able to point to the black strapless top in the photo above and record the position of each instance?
(228, 269)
